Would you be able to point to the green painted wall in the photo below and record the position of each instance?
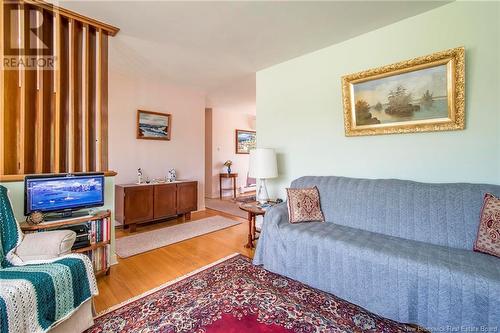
(16, 194)
(300, 112)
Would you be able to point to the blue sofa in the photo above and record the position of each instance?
(398, 248)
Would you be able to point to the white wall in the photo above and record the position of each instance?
(224, 124)
(300, 112)
(184, 151)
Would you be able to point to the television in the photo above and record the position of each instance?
(63, 193)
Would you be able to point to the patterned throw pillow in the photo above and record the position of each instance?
(488, 234)
(304, 205)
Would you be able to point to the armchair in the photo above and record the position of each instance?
(44, 286)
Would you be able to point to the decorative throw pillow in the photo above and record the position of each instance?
(304, 205)
(488, 234)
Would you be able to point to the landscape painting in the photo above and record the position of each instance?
(404, 97)
(153, 125)
(245, 141)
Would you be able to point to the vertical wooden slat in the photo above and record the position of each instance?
(2, 109)
(63, 94)
(77, 70)
(103, 102)
(91, 101)
(98, 98)
(22, 86)
(39, 144)
(57, 83)
(11, 95)
(29, 112)
(71, 101)
(85, 98)
(48, 95)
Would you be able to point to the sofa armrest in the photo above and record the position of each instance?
(46, 245)
(277, 215)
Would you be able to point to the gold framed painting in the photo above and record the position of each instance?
(419, 95)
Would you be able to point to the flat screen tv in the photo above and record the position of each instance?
(63, 193)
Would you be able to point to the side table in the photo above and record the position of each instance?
(234, 177)
(253, 210)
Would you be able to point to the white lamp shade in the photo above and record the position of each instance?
(263, 163)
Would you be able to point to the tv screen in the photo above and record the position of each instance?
(59, 193)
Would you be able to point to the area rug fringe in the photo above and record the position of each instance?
(151, 291)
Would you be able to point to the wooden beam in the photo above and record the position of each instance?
(17, 178)
(112, 30)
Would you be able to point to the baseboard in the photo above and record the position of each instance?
(114, 260)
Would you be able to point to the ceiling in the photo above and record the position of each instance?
(218, 46)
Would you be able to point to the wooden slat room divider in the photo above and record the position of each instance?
(54, 113)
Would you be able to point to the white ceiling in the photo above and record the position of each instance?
(218, 46)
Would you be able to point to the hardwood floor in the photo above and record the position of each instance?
(135, 275)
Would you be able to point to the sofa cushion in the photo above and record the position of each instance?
(304, 205)
(488, 234)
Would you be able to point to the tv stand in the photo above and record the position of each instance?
(59, 217)
(97, 246)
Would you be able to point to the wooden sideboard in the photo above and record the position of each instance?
(136, 204)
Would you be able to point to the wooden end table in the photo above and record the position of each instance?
(253, 210)
(234, 177)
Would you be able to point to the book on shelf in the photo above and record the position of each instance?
(99, 230)
(99, 258)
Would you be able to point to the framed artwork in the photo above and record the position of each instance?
(153, 125)
(245, 141)
(419, 95)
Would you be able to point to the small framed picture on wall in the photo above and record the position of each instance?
(153, 125)
(245, 141)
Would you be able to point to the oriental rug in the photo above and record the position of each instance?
(234, 296)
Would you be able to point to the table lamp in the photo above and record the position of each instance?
(263, 166)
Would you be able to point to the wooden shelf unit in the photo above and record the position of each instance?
(47, 226)
(52, 119)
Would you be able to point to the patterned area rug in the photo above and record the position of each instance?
(233, 296)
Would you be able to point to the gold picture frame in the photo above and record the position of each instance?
(381, 93)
